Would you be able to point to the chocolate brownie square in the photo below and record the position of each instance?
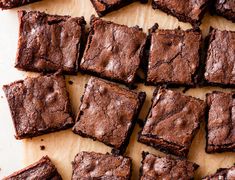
(190, 11)
(48, 43)
(225, 8)
(39, 105)
(104, 7)
(220, 58)
(8, 4)
(108, 113)
(113, 51)
(42, 169)
(221, 122)
(174, 57)
(172, 122)
(222, 174)
(154, 167)
(91, 165)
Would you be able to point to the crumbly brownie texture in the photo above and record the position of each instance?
(154, 167)
(108, 113)
(187, 11)
(220, 62)
(39, 105)
(174, 57)
(225, 8)
(223, 174)
(103, 7)
(172, 122)
(113, 51)
(221, 122)
(91, 165)
(43, 169)
(48, 43)
(8, 4)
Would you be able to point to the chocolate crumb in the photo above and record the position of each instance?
(42, 147)
(42, 139)
(70, 82)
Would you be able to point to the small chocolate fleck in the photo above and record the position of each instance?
(42, 147)
(70, 82)
(42, 139)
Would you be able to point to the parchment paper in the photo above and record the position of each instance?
(63, 146)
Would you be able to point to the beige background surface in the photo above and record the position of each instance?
(63, 146)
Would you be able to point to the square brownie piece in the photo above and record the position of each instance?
(221, 122)
(42, 169)
(104, 7)
(91, 165)
(220, 58)
(172, 122)
(225, 8)
(108, 113)
(174, 57)
(9, 4)
(154, 167)
(113, 51)
(222, 174)
(39, 105)
(48, 43)
(190, 11)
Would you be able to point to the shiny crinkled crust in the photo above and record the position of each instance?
(222, 173)
(42, 169)
(108, 113)
(220, 61)
(39, 105)
(48, 43)
(91, 165)
(220, 123)
(9, 4)
(173, 121)
(225, 8)
(113, 51)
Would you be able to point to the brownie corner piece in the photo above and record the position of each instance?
(174, 57)
(219, 68)
(116, 57)
(117, 110)
(167, 167)
(39, 105)
(219, 124)
(225, 9)
(186, 11)
(42, 169)
(49, 43)
(173, 122)
(93, 165)
(9, 4)
(222, 173)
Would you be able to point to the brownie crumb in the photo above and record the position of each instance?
(42, 139)
(70, 82)
(42, 147)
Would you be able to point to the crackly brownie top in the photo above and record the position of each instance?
(167, 168)
(38, 105)
(188, 8)
(89, 165)
(221, 120)
(48, 42)
(174, 56)
(7, 4)
(43, 169)
(174, 117)
(226, 8)
(107, 112)
(223, 174)
(113, 50)
(220, 58)
(103, 5)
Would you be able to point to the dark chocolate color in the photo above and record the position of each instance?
(9, 4)
(222, 174)
(225, 8)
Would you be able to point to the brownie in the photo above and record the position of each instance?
(190, 11)
(222, 174)
(113, 51)
(220, 58)
(221, 122)
(104, 7)
(225, 8)
(48, 43)
(108, 113)
(172, 122)
(9, 4)
(91, 165)
(39, 105)
(174, 57)
(42, 169)
(155, 167)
